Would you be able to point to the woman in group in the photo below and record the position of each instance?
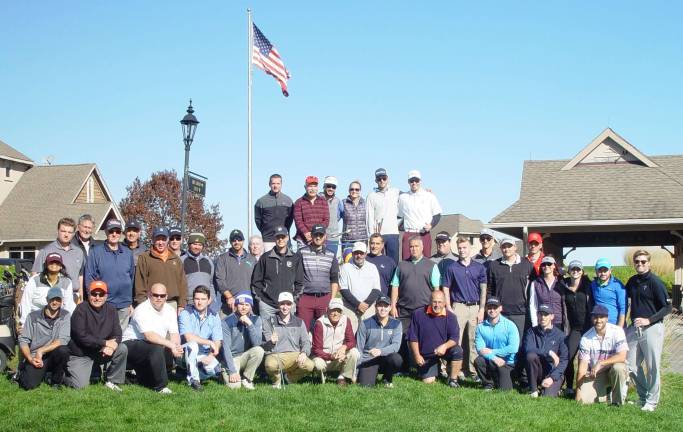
(578, 303)
(548, 289)
(355, 218)
(35, 291)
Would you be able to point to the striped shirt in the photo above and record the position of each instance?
(320, 270)
(593, 348)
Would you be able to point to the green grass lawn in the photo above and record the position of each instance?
(410, 405)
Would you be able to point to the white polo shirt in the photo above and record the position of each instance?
(359, 280)
(592, 348)
(382, 210)
(417, 209)
(147, 319)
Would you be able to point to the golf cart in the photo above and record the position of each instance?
(14, 274)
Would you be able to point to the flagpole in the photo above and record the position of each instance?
(249, 73)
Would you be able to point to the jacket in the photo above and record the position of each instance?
(578, 305)
(292, 336)
(271, 211)
(336, 213)
(307, 214)
(612, 295)
(372, 334)
(510, 284)
(540, 341)
(199, 271)
(38, 332)
(91, 328)
(276, 273)
(327, 339)
(502, 338)
(153, 268)
(34, 296)
(116, 269)
(382, 211)
(540, 293)
(238, 338)
(233, 272)
(355, 221)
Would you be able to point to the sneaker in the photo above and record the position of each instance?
(196, 385)
(476, 378)
(341, 382)
(225, 376)
(534, 394)
(165, 391)
(488, 387)
(111, 386)
(247, 384)
(322, 377)
(388, 384)
(648, 407)
(453, 383)
(461, 376)
(277, 386)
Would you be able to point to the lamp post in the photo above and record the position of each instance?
(189, 124)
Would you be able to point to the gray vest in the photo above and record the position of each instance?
(415, 286)
(355, 221)
(333, 226)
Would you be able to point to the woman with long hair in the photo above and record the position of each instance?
(548, 289)
(35, 292)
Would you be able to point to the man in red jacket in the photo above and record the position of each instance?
(309, 210)
(334, 345)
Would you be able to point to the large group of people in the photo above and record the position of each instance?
(357, 294)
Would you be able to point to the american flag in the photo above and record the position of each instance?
(265, 56)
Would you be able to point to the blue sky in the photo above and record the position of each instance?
(463, 91)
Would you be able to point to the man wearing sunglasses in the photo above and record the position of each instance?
(96, 340)
(382, 209)
(175, 241)
(153, 340)
(609, 292)
(420, 212)
(488, 251)
(336, 208)
(114, 264)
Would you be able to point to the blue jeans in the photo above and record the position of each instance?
(193, 356)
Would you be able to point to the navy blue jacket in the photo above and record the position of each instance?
(541, 342)
(116, 269)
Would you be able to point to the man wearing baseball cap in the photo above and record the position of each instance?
(609, 292)
(420, 211)
(273, 210)
(35, 290)
(114, 264)
(321, 278)
(175, 240)
(497, 342)
(43, 342)
(287, 344)
(233, 271)
(336, 209)
(546, 354)
(96, 340)
(382, 207)
(242, 338)
(159, 265)
(199, 270)
(334, 344)
(309, 210)
(277, 271)
(132, 239)
(602, 361)
(535, 256)
(359, 286)
(488, 251)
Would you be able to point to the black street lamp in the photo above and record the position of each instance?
(189, 124)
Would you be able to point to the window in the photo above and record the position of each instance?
(22, 252)
(90, 191)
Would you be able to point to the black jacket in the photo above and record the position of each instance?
(276, 273)
(90, 329)
(510, 284)
(541, 342)
(271, 211)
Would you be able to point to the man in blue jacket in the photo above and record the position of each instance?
(546, 355)
(608, 291)
(113, 264)
(497, 342)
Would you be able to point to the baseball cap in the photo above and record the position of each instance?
(174, 231)
(112, 224)
(379, 172)
(492, 301)
(53, 257)
(98, 285)
(534, 236)
(359, 247)
(603, 262)
(544, 308)
(236, 235)
(442, 236)
(54, 293)
(548, 259)
(574, 264)
(196, 238)
(383, 299)
(244, 298)
(159, 231)
(311, 180)
(133, 224)
(486, 232)
(285, 297)
(335, 303)
(414, 174)
(599, 310)
(318, 229)
(507, 240)
(281, 231)
(331, 180)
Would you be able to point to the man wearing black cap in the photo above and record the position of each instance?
(132, 240)
(546, 355)
(277, 271)
(233, 271)
(199, 270)
(602, 361)
(321, 278)
(113, 264)
(382, 208)
(175, 240)
(444, 255)
(272, 210)
(488, 252)
(43, 341)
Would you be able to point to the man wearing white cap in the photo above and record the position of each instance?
(488, 251)
(359, 286)
(334, 344)
(336, 212)
(382, 209)
(420, 211)
(287, 344)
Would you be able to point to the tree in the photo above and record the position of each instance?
(156, 202)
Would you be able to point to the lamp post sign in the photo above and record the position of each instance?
(197, 183)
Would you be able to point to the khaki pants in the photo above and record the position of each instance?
(347, 368)
(287, 361)
(467, 317)
(596, 390)
(248, 361)
(355, 316)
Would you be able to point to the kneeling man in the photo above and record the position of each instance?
(546, 354)
(242, 338)
(334, 344)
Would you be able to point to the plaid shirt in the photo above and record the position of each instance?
(593, 349)
(307, 214)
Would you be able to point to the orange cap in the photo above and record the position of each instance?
(98, 285)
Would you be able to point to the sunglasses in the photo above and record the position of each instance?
(98, 294)
(640, 261)
(159, 295)
(381, 178)
(413, 180)
(546, 264)
(575, 269)
(485, 238)
(175, 238)
(115, 231)
(329, 186)
(354, 189)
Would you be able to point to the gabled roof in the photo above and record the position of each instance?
(43, 195)
(9, 152)
(609, 147)
(458, 224)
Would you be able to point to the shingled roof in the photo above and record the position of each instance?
(628, 187)
(44, 195)
(9, 152)
(458, 223)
